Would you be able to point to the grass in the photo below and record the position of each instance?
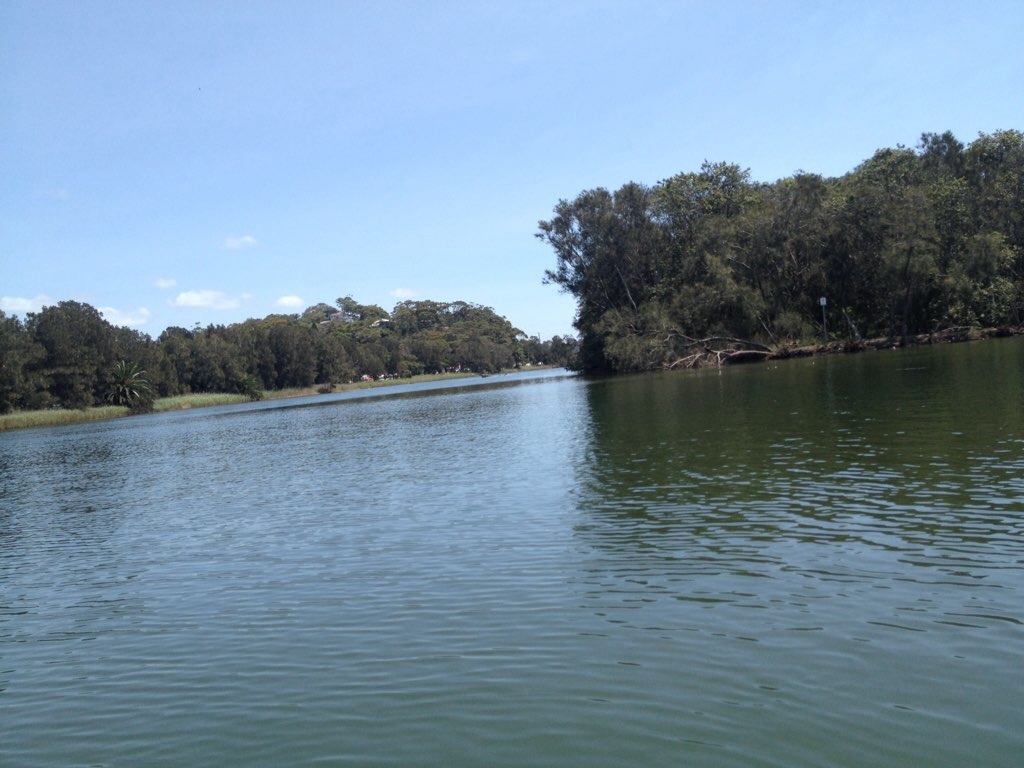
(197, 400)
(52, 417)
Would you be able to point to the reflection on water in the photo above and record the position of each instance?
(860, 518)
(859, 476)
(815, 563)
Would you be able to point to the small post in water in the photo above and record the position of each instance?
(824, 318)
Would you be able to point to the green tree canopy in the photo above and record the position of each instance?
(910, 241)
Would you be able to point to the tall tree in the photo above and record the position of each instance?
(609, 255)
(79, 348)
(20, 385)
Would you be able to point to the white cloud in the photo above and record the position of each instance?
(240, 243)
(21, 305)
(290, 301)
(130, 318)
(211, 299)
(165, 282)
(402, 293)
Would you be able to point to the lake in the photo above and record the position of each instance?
(804, 563)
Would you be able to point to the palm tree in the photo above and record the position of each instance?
(129, 387)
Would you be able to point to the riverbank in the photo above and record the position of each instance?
(53, 417)
(740, 352)
(948, 336)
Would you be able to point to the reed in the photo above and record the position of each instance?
(197, 400)
(52, 417)
(281, 394)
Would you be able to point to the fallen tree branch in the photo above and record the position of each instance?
(719, 357)
(692, 342)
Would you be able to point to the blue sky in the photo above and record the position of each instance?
(174, 163)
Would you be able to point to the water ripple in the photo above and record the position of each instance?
(797, 567)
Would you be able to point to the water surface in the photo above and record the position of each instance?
(818, 562)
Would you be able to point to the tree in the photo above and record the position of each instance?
(563, 351)
(994, 168)
(20, 385)
(354, 311)
(216, 364)
(130, 387)
(608, 254)
(942, 156)
(318, 313)
(176, 344)
(432, 350)
(79, 350)
(294, 353)
(909, 261)
(333, 364)
(410, 317)
(907, 242)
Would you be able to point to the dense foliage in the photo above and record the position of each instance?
(67, 355)
(911, 241)
(130, 387)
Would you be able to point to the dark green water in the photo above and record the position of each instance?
(815, 563)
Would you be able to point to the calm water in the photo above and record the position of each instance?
(815, 563)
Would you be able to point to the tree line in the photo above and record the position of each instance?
(68, 355)
(911, 241)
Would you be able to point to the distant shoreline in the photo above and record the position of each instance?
(55, 417)
(711, 358)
